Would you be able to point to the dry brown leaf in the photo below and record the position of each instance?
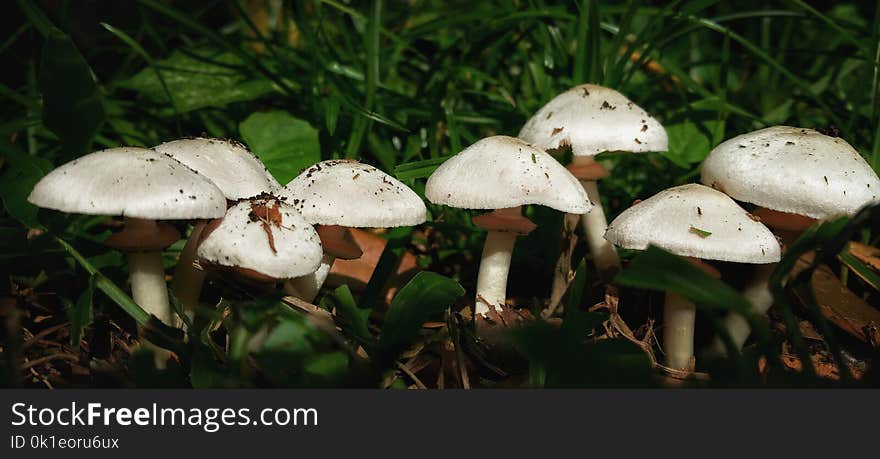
(841, 306)
(822, 362)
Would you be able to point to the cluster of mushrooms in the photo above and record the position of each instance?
(246, 224)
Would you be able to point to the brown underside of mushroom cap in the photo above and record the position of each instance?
(338, 242)
(146, 236)
(706, 267)
(510, 220)
(585, 168)
(783, 220)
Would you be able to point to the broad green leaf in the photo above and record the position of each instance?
(327, 367)
(199, 80)
(355, 317)
(426, 294)
(72, 101)
(690, 142)
(285, 144)
(291, 336)
(19, 175)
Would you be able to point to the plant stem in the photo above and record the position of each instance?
(679, 314)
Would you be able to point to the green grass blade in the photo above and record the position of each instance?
(107, 286)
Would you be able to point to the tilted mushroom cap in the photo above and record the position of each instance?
(234, 169)
(793, 170)
(500, 172)
(132, 182)
(353, 194)
(241, 240)
(695, 221)
(593, 119)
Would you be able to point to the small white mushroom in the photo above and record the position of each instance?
(503, 173)
(336, 195)
(238, 174)
(143, 186)
(262, 236)
(593, 119)
(692, 221)
(792, 173)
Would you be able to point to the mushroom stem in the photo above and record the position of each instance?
(679, 315)
(188, 280)
(494, 266)
(497, 252)
(307, 287)
(594, 224)
(757, 291)
(148, 289)
(144, 240)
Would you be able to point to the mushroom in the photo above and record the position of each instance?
(335, 195)
(698, 222)
(593, 119)
(262, 239)
(502, 174)
(143, 186)
(238, 174)
(796, 176)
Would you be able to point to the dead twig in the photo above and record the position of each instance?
(56, 356)
(411, 375)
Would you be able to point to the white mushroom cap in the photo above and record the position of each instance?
(793, 170)
(500, 172)
(231, 166)
(132, 182)
(695, 221)
(593, 119)
(353, 194)
(241, 240)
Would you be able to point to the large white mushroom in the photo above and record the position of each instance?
(143, 186)
(796, 176)
(701, 223)
(238, 174)
(336, 195)
(502, 174)
(593, 119)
